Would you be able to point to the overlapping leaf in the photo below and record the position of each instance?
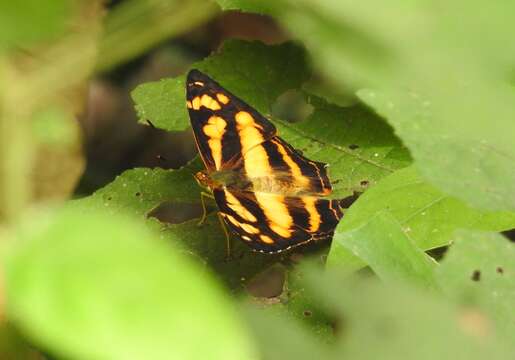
(479, 272)
(427, 216)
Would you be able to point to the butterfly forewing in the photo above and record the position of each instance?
(223, 125)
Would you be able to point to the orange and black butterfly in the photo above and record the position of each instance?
(268, 194)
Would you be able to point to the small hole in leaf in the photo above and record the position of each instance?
(499, 270)
(438, 253)
(476, 275)
(510, 234)
(292, 106)
(109, 198)
(353, 146)
(349, 200)
(138, 194)
(363, 182)
(269, 283)
(175, 213)
(307, 313)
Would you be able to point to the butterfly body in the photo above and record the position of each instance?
(269, 195)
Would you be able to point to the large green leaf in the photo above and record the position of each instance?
(427, 216)
(125, 293)
(479, 272)
(440, 74)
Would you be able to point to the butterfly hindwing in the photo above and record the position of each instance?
(272, 222)
(244, 216)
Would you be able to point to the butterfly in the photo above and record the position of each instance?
(268, 194)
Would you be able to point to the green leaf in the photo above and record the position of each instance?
(124, 292)
(444, 118)
(28, 21)
(389, 251)
(427, 216)
(358, 145)
(174, 197)
(251, 70)
(281, 337)
(479, 272)
(140, 190)
(253, 6)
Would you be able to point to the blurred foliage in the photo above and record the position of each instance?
(409, 103)
(120, 287)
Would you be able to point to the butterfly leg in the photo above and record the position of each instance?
(203, 196)
(227, 236)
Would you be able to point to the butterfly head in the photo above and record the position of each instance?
(204, 180)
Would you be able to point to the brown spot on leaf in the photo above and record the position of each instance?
(476, 275)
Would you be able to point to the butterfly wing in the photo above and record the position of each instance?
(281, 209)
(275, 163)
(223, 125)
(273, 223)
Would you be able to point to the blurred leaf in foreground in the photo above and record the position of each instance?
(26, 22)
(479, 272)
(135, 26)
(125, 293)
(373, 320)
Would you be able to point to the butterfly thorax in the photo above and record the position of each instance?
(223, 178)
(277, 184)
